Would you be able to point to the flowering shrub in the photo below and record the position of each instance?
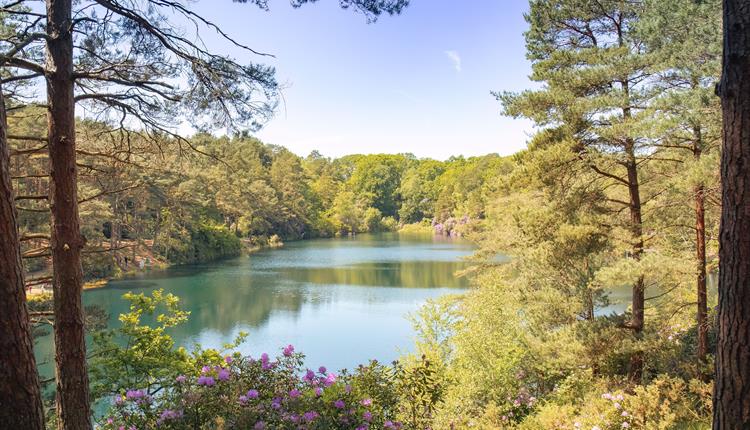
(152, 384)
(665, 403)
(248, 393)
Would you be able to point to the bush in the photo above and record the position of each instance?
(372, 220)
(154, 384)
(389, 224)
(246, 393)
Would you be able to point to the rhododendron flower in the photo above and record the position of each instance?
(625, 425)
(181, 379)
(318, 391)
(310, 416)
(366, 402)
(228, 359)
(322, 370)
(223, 374)
(330, 379)
(309, 376)
(252, 394)
(339, 404)
(367, 416)
(134, 394)
(205, 369)
(288, 351)
(294, 393)
(207, 381)
(169, 414)
(265, 363)
(260, 425)
(276, 403)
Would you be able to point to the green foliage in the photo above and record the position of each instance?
(205, 241)
(137, 354)
(155, 384)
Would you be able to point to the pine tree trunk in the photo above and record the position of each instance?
(20, 394)
(700, 256)
(73, 406)
(638, 299)
(732, 382)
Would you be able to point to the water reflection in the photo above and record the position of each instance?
(341, 301)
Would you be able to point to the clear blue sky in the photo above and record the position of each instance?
(419, 82)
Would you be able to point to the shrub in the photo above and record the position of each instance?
(152, 383)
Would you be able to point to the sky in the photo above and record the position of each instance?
(419, 82)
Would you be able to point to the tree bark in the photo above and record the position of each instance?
(638, 299)
(700, 256)
(73, 407)
(20, 393)
(732, 382)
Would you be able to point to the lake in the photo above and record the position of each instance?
(340, 301)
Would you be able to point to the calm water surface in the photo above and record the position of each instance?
(340, 301)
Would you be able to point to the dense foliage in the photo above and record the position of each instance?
(230, 193)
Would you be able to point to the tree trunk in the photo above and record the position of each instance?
(638, 300)
(732, 382)
(73, 408)
(700, 256)
(20, 394)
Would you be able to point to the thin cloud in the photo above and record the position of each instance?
(455, 58)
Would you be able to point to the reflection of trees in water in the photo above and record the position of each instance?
(223, 308)
(406, 274)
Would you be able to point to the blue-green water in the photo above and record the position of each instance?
(340, 301)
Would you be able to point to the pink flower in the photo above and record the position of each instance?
(288, 351)
(207, 381)
(339, 404)
(366, 402)
(294, 393)
(223, 374)
(228, 359)
(330, 379)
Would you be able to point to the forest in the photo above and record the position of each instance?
(636, 177)
(228, 194)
